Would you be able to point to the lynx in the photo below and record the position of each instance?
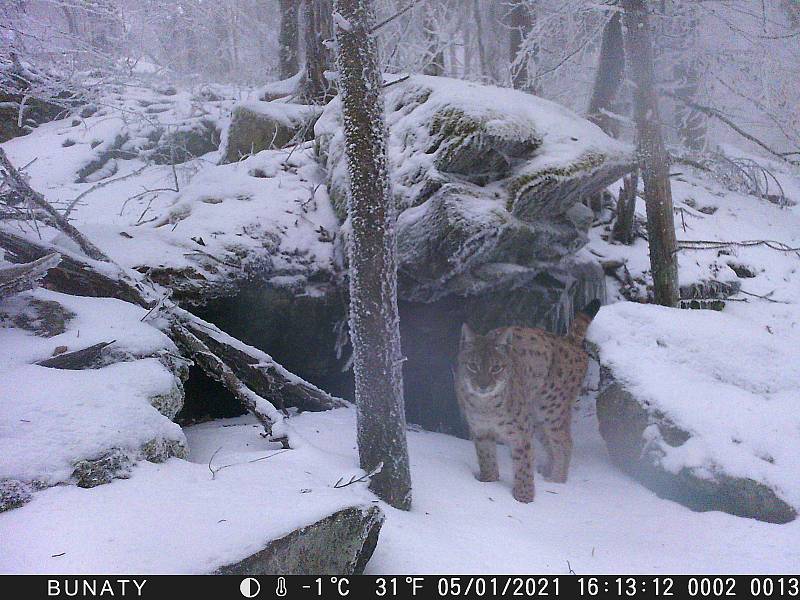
(515, 383)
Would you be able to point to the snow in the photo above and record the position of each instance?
(174, 518)
(729, 382)
(722, 376)
(140, 218)
(282, 112)
(51, 418)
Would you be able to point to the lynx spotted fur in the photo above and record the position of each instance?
(515, 383)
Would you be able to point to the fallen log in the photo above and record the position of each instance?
(255, 369)
(20, 187)
(72, 275)
(263, 410)
(77, 360)
(26, 276)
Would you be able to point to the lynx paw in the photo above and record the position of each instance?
(488, 477)
(524, 495)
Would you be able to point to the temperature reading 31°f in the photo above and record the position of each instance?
(388, 586)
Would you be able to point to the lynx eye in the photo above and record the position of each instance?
(472, 367)
(496, 369)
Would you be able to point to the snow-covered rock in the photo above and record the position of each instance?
(91, 425)
(701, 406)
(257, 126)
(482, 176)
(340, 544)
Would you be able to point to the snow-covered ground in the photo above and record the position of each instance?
(175, 518)
(178, 517)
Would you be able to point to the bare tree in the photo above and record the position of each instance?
(520, 23)
(319, 57)
(652, 156)
(434, 59)
(374, 320)
(289, 40)
(607, 82)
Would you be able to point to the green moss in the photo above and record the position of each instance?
(470, 146)
(530, 183)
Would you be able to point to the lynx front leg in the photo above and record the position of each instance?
(545, 466)
(486, 449)
(522, 457)
(560, 444)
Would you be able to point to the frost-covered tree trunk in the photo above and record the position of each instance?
(691, 124)
(520, 23)
(288, 39)
(374, 320)
(434, 59)
(652, 156)
(319, 58)
(608, 80)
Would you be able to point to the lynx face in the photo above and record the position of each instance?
(484, 362)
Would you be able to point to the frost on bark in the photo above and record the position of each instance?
(374, 321)
(434, 59)
(319, 56)
(520, 23)
(610, 73)
(288, 39)
(690, 123)
(652, 156)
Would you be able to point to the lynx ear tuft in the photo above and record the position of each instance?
(504, 339)
(467, 335)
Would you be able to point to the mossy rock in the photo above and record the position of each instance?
(479, 148)
(257, 126)
(629, 427)
(340, 544)
(185, 143)
(444, 242)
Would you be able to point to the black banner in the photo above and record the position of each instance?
(401, 586)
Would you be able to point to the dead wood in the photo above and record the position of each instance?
(256, 369)
(72, 275)
(20, 187)
(216, 368)
(251, 375)
(77, 360)
(19, 278)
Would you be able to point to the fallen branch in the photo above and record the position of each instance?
(77, 360)
(20, 186)
(215, 470)
(72, 275)
(251, 375)
(716, 245)
(263, 410)
(19, 278)
(257, 369)
(717, 114)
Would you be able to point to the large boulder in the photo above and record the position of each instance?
(701, 408)
(257, 126)
(482, 176)
(340, 544)
(87, 422)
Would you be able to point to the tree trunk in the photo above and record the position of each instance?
(623, 230)
(319, 58)
(520, 25)
(482, 58)
(374, 320)
(691, 124)
(652, 156)
(289, 39)
(610, 73)
(434, 56)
